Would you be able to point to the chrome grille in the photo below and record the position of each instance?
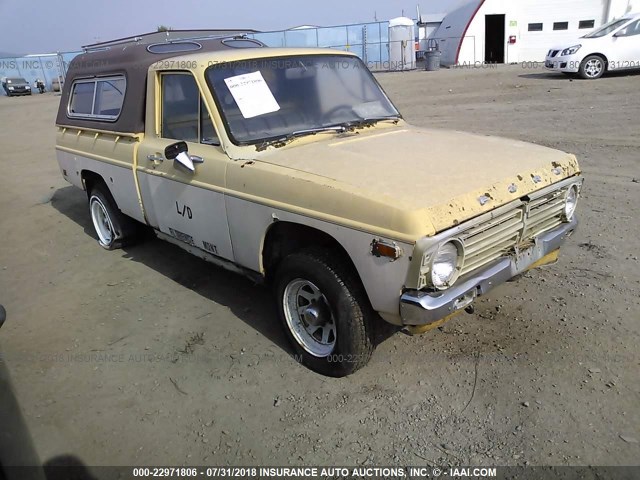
(544, 213)
(497, 237)
(492, 239)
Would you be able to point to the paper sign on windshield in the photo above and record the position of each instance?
(252, 94)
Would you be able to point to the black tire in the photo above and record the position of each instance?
(593, 67)
(351, 314)
(123, 229)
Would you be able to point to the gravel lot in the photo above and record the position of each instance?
(150, 356)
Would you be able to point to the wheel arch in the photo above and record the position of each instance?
(283, 238)
(601, 55)
(263, 234)
(90, 179)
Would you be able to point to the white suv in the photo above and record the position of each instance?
(614, 46)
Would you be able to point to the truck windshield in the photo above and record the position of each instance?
(273, 98)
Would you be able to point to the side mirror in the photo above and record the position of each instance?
(172, 151)
(3, 315)
(180, 153)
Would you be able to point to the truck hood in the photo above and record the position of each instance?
(452, 176)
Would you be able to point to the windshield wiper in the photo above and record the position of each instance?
(368, 121)
(282, 141)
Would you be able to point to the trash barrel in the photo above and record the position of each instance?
(432, 60)
(432, 55)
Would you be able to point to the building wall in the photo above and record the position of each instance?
(618, 8)
(530, 46)
(452, 30)
(535, 45)
(472, 49)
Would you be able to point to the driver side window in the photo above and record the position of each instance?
(184, 114)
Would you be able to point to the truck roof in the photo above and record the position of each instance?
(133, 61)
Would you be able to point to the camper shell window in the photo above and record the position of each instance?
(97, 98)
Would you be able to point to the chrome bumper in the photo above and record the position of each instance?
(424, 308)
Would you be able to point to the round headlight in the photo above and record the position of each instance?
(445, 267)
(571, 202)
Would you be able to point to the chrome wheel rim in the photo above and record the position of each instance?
(593, 68)
(309, 317)
(102, 222)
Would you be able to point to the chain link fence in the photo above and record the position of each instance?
(369, 41)
(50, 68)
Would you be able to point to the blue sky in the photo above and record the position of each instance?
(63, 25)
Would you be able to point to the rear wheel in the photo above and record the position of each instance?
(593, 67)
(113, 228)
(325, 312)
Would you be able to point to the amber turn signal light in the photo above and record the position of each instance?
(382, 248)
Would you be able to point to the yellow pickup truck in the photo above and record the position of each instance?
(292, 166)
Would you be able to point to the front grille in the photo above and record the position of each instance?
(491, 240)
(494, 238)
(544, 214)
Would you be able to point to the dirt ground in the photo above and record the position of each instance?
(150, 356)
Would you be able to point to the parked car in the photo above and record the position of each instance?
(293, 167)
(612, 47)
(16, 86)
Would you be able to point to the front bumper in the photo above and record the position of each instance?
(425, 308)
(11, 93)
(566, 64)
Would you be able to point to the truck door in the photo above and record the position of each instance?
(189, 206)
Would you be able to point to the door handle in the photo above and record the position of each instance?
(196, 159)
(155, 158)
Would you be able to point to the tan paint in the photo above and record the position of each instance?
(396, 181)
(416, 182)
(98, 145)
(390, 181)
(114, 148)
(93, 130)
(136, 179)
(355, 139)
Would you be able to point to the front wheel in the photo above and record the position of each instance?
(592, 67)
(325, 312)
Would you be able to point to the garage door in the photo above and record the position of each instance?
(546, 23)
